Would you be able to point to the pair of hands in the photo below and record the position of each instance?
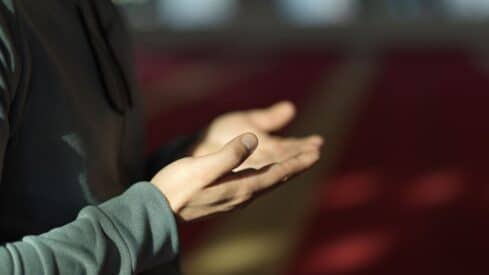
(228, 169)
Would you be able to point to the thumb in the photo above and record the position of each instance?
(274, 117)
(231, 156)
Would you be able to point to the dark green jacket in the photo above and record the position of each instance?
(71, 144)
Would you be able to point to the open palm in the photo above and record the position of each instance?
(261, 122)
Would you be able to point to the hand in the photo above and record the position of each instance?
(198, 187)
(260, 122)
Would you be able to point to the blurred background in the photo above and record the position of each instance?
(400, 90)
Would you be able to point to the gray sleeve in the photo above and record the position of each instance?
(126, 235)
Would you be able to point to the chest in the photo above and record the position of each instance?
(71, 138)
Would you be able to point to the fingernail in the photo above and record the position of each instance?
(249, 141)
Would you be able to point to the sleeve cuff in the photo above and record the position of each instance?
(146, 223)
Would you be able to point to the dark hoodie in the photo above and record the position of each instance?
(71, 140)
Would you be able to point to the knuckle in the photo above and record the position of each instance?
(281, 169)
(246, 197)
(246, 194)
(256, 184)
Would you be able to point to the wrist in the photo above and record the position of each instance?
(175, 197)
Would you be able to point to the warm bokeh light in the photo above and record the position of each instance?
(440, 188)
(355, 189)
(349, 253)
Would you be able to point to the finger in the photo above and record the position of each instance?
(314, 140)
(229, 157)
(273, 118)
(285, 170)
(293, 150)
(245, 183)
(285, 148)
(300, 146)
(277, 150)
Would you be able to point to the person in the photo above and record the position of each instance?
(74, 196)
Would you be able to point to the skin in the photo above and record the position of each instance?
(228, 169)
(261, 122)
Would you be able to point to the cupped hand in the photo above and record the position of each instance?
(261, 122)
(197, 187)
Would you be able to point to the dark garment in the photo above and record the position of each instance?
(74, 146)
(71, 129)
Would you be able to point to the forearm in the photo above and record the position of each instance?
(125, 235)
